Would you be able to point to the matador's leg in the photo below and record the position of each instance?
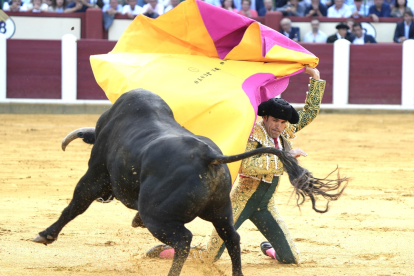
(245, 198)
(271, 225)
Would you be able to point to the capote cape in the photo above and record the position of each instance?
(212, 67)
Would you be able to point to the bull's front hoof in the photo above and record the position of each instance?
(45, 241)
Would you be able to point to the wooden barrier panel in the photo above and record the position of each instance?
(375, 74)
(53, 25)
(87, 86)
(30, 25)
(298, 85)
(34, 69)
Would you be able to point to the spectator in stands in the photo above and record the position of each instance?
(289, 31)
(339, 10)
(280, 3)
(405, 29)
(14, 6)
(268, 7)
(350, 22)
(316, 35)
(173, 4)
(78, 6)
(293, 8)
(213, 2)
(400, 8)
(316, 8)
(246, 10)
(341, 34)
(390, 2)
(37, 6)
(153, 9)
(131, 9)
(379, 9)
(360, 36)
(109, 12)
(228, 5)
(359, 9)
(164, 3)
(57, 6)
(256, 5)
(47, 2)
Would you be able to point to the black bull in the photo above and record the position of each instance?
(150, 163)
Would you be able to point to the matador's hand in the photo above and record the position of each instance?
(297, 153)
(313, 72)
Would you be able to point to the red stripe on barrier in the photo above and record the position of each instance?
(298, 85)
(33, 69)
(375, 74)
(87, 86)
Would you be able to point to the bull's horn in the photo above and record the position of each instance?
(74, 135)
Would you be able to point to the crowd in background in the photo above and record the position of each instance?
(346, 9)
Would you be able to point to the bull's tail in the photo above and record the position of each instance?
(304, 183)
(86, 133)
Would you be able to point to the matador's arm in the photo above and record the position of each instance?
(312, 103)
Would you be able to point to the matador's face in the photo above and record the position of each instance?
(274, 126)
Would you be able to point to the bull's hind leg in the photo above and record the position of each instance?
(89, 187)
(177, 236)
(225, 229)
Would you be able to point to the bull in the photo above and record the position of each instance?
(145, 159)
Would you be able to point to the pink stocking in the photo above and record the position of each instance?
(271, 253)
(169, 254)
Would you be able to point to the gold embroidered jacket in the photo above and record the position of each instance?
(265, 166)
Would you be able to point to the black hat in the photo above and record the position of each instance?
(278, 108)
(342, 26)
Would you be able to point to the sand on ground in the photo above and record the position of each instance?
(369, 231)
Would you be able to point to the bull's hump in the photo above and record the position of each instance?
(143, 101)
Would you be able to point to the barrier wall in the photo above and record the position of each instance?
(375, 72)
(52, 26)
(87, 88)
(33, 69)
(295, 93)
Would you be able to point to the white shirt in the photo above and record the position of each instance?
(320, 37)
(339, 37)
(216, 3)
(127, 8)
(43, 8)
(159, 8)
(168, 8)
(344, 11)
(406, 30)
(359, 40)
(164, 2)
(107, 7)
(410, 4)
(363, 11)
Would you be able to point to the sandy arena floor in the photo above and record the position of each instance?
(369, 231)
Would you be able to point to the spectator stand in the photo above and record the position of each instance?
(384, 28)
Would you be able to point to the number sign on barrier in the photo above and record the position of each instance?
(7, 26)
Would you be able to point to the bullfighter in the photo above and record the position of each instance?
(253, 197)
